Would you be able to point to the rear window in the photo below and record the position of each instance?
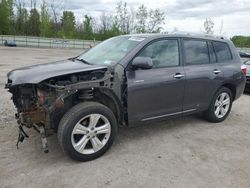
(196, 52)
(222, 51)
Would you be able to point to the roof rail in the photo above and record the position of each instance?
(198, 34)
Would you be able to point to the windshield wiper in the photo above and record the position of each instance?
(83, 61)
(72, 58)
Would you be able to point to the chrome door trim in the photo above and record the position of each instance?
(166, 115)
(138, 81)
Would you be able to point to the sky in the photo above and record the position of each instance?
(231, 17)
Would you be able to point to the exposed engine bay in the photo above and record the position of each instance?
(42, 105)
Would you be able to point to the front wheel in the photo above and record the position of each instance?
(220, 105)
(87, 131)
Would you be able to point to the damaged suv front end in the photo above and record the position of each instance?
(41, 102)
(43, 93)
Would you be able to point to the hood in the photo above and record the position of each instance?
(37, 73)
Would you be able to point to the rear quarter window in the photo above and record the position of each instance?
(222, 51)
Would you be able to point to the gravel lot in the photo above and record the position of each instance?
(185, 152)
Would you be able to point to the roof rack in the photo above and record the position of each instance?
(198, 34)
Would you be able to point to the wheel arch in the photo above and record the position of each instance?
(232, 88)
(108, 98)
(103, 96)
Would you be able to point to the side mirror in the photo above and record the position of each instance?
(142, 63)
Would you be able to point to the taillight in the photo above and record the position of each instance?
(244, 69)
(41, 96)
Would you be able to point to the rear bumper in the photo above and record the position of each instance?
(247, 86)
(240, 87)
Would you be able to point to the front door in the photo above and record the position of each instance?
(158, 92)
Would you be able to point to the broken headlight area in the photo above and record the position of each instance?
(31, 105)
(31, 109)
(37, 106)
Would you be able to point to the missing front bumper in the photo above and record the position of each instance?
(39, 120)
(41, 130)
(37, 116)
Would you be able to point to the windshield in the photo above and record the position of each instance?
(111, 51)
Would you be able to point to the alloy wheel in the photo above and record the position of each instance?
(91, 133)
(222, 104)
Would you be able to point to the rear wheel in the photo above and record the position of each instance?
(87, 131)
(220, 106)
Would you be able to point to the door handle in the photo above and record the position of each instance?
(216, 71)
(178, 75)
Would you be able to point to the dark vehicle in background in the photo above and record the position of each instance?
(244, 55)
(247, 65)
(10, 43)
(126, 80)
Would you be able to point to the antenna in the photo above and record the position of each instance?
(221, 26)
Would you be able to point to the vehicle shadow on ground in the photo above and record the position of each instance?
(246, 93)
(156, 128)
(128, 135)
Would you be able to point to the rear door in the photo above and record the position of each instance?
(158, 92)
(202, 76)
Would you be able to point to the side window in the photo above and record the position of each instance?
(164, 53)
(196, 52)
(222, 51)
(211, 53)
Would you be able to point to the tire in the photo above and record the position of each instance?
(82, 126)
(211, 114)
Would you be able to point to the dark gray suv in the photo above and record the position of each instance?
(126, 80)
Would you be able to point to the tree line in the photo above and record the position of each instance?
(241, 41)
(50, 19)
